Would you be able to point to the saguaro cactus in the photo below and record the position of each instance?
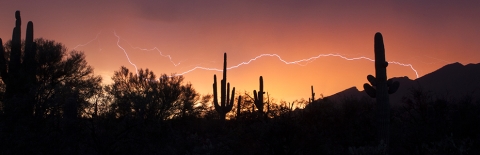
(15, 54)
(226, 103)
(313, 96)
(380, 88)
(258, 97)
(239, 106)
(19, 76)
(29, 61)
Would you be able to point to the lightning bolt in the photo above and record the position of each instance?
(81, 45)
(155, 49)
(301, 62)
(160, 52)
(124, 51)
(297, 62)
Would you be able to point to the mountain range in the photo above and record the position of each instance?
(453, 81)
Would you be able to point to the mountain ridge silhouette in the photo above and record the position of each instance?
(452, 81)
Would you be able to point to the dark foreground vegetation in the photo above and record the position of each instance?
(52, 103)
(425, 125)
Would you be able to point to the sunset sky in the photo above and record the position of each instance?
(197, 33)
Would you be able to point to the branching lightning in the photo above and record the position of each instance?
(124, 51)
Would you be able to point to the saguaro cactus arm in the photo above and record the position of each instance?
(370, 90)
(372, 80)
(392, 86)
(239, 106)
(229, 106)
(215, 94)
(29, 61)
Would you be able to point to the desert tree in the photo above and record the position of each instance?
(143, 95)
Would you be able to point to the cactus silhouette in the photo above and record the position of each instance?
(226, 103)
(380, 88)
(290, 106)
(311, 100)
(268, 103)
(239, 106)
(258, 97)
(19, 75)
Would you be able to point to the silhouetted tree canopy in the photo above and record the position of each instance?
(59, 75)
(143, 95)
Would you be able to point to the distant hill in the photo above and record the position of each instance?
(453, 81)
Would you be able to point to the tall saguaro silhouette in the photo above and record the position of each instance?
(380, 88)
(311, 100)
(226, 103)
(239, 106)
(19, 75)
(258, 97)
